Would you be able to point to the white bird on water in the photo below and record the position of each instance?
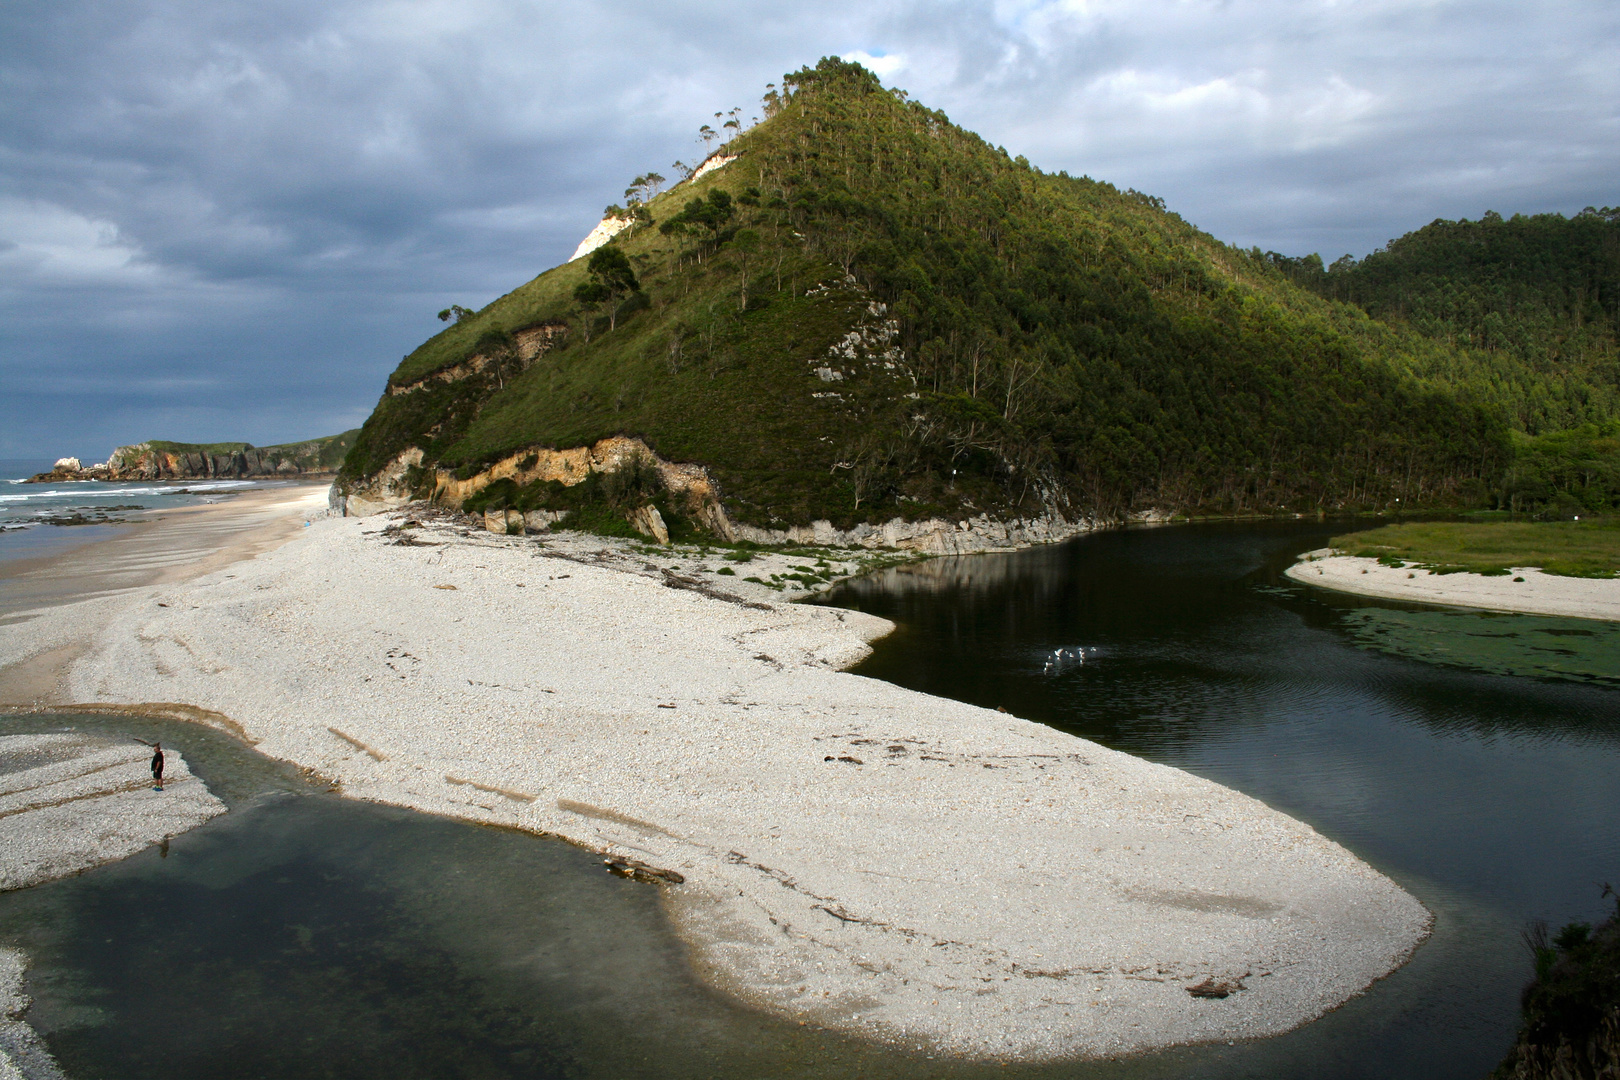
(1063, 658)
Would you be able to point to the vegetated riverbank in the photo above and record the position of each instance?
(1540, 568)
(1582, 549)
(1572, 1009)
(834, 849)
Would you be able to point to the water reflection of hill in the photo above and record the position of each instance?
(951, 572)
(1191, 634)
(1413, 736)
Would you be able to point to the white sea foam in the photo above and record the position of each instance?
(119, 491)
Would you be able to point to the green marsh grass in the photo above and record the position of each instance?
(1568, 548)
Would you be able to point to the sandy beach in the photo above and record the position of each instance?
(832, 848)
(165, 548)
(1527, 590)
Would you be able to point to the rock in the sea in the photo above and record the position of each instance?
(67, 464)
(69, 802)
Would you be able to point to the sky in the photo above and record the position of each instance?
(231, 219)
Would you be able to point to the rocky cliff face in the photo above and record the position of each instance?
(405, 480)
(144, 462)
(157, 460)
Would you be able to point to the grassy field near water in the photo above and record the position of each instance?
(1569, 548)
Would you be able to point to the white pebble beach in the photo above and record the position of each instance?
(853, 855)
(1525, 590)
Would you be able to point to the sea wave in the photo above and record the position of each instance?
(117, 491)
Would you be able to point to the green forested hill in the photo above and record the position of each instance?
(1532, 304)
(871, 311)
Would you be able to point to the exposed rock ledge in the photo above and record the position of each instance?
(528, 345)
(605, 230)
(392, 488)
(612, 225)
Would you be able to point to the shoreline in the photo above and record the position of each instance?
(866, 858)
(167, 545)
(1534, 593)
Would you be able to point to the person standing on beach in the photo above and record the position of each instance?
(157, 765)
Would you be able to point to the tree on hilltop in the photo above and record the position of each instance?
(643, 187)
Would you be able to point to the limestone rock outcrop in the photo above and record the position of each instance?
(527, 346)
(647, 521)
(692, 487)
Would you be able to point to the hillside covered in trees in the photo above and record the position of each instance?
(1531, 302)
(867, 311)
(1531, 306)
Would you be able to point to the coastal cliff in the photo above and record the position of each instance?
(161, 460)
(537, 487)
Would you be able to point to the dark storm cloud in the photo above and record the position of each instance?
(231, 219)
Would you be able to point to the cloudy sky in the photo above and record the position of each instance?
(229, 219)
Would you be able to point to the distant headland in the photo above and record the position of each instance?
(158, 459)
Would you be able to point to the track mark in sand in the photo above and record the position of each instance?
(899, 749)
(602, 814)
(831, 905)
(101, 793)
(375, 755)
(1248, 907)
(515, 796)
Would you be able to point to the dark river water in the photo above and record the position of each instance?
(1474, 758)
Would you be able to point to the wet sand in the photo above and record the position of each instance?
(168, 546)
(162, 549)
(854, 855)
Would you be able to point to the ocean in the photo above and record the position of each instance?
(44, 519)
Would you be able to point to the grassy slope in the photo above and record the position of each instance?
(1063, 337)
(1574, 549)
(166, 446)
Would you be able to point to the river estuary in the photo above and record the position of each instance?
(1474, 758)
